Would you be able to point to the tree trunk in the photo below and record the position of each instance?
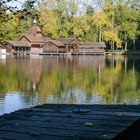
(125, 46)
(134, 46)
(113, 45)
(100, 35)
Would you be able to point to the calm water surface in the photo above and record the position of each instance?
(34, 80)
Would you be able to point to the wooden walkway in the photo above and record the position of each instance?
(69, 122)
(64, 54)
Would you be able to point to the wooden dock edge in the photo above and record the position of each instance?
(130, 133)
(100, 122)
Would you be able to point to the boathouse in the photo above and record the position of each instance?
(92, 48)
(53, 46)
(0, 44)
(33, 42)
(61, 45)
(35, 38)
(71, 44)
(16, 46)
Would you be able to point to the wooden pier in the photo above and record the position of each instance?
(71, 122)
(63, 54)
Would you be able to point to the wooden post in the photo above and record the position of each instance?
(67, 49)
(57, 49)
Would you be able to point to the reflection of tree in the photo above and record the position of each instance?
(112, 83)
(64, 79)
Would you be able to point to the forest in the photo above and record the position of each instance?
(115, 22)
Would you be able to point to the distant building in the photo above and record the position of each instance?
(92, 47)
(62, 45)
(0, 44)
(34, 42)
(31, 42)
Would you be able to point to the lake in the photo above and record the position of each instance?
(32, 80)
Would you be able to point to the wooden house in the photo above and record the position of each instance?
(61, 45)
(71, 44)
(35, 38)
(35, 43)
(0, 44)
(31, 42)
(53, 46)
(92, 48)
(16, 46)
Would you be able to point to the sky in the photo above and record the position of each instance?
(16, 3)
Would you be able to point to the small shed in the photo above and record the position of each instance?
(1, 45)
(53, 46)
(71, 44)
(16, 46)
(2, 49)
(92, 47)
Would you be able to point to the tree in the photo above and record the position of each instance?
(29, 12)
(126, 18)
(112, 37)
(101, 22)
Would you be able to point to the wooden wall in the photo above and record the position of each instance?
(50, 47)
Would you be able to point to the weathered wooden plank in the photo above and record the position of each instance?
(33, 114)
(48, 131)
(85, 111)
(79, 116)
(68, 122)
(131, 133)
(93, 107)
(77, 127)
(6, 135)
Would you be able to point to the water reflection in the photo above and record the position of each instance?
(36, 80)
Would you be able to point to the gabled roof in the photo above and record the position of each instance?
(92, 44)
(67, 41)
(34, 30)
(55, 42)
(18, 43)
(47, 39)
(31, 38)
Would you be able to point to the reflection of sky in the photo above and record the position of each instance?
(75, 96)
(13, 101)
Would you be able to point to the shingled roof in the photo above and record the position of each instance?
(34, 35)
(92, 44)
(55, 42)
(31, 38)
(67, 41)
(18, 43)
(34, 30)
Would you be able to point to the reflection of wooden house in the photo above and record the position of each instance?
(32, 69)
